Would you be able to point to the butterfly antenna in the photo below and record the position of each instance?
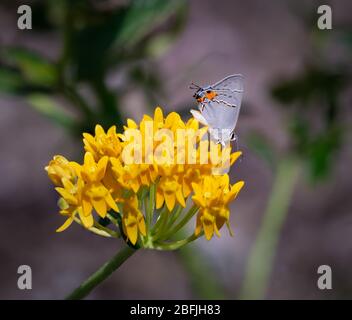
(194, 86)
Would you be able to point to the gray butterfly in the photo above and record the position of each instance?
(219, 106)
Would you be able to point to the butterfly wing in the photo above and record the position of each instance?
(223, 119)
(223, 110)
(198, 116)
(229, 90)
(221, 113)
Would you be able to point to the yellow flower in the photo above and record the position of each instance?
(95, 194)
(164, 175)
(102, 144)
(169, 188)
(110, 182)
(192, 174)
(213, 195)
(133, 220)
(72, 195)
(91, 171)
(60, 168)
(133, 176)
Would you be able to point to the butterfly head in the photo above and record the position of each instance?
(204, 94)
(201, 94)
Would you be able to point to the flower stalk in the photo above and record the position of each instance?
(261, 258)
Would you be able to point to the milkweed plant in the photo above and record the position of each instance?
(144, 185)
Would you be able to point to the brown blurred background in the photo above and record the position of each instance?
(266, 42)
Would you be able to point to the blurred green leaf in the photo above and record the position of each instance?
(299, 128)
(160, 43)
(143, 16)
(123, 30)
(46, 106)
(347, 38)
(319, 88)
(96, 39)
(91, 44)
(10, 81)
(313, 82)
(41, 17)
(322, 153)
(35, 69)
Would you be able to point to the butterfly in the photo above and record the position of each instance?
(219, 106)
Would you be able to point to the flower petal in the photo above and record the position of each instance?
(170, 200)
(87, 221)
(159, 199)
(66, 224)
(86, 207)
(180, 198)
(110, 201)
(101, 168)
(100, 207)
(131, 228)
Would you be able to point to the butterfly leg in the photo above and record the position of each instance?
(234, 137)
(203, 103)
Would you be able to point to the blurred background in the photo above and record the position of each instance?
(88, 61)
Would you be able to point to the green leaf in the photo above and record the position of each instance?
(322, 152)
(34, 68)
(346, 38)
(313, 83)
(46, 106)
(91, 43)
(161, 42)
(143, 16)
(10, 81)
(300, 133)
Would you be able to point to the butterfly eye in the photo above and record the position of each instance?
(208, 91)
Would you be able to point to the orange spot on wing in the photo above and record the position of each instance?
(211, 95)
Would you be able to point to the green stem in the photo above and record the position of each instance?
(112, 219)
(112, 233)
(159, 229)
(175, 244)
(261, 258)
(101, 274)
(160, 221)
(182, 223)
(150, 207)
(95, 230)
(174, 216)
(168, 223)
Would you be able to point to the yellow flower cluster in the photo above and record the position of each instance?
(142, 175)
